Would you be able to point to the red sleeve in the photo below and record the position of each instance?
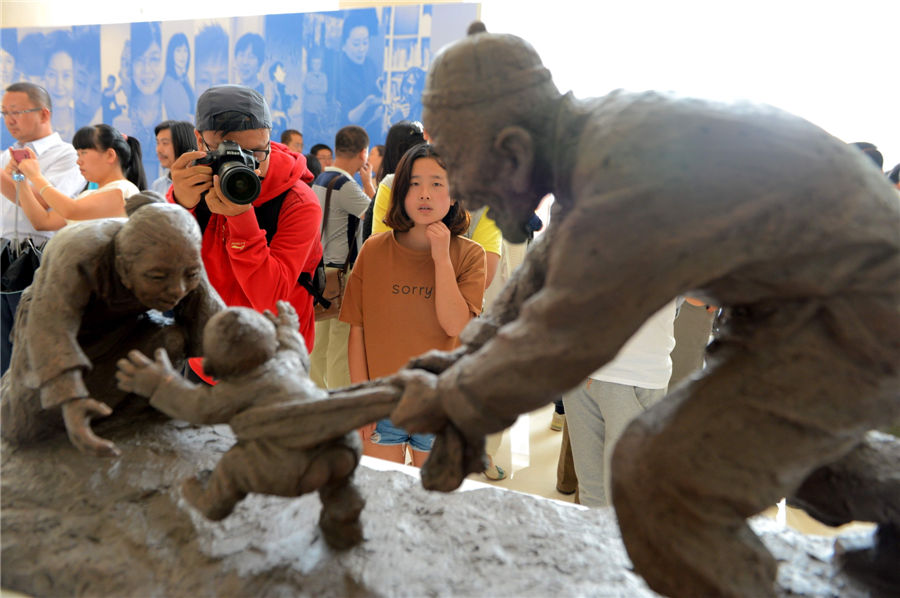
(267, 273)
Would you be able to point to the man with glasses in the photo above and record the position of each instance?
(254, 253)
(26, 113)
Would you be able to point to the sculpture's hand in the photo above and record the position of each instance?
(452, 458)
(287, 316)
(420, 408)
(436, 361)
(77, 415)
(138, 374)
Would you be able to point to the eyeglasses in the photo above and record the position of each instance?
(18, 113)
(258, 155)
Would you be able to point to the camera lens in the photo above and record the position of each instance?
(239, 184)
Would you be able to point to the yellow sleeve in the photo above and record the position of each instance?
(382, 203)
(486, 234)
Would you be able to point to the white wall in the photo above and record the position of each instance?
(836, 64)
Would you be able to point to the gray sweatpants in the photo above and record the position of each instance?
(597, 413)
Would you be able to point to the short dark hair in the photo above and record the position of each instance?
(457, 219)
(313, 165)
(319, 146)
(37, 95)
(350, 140)
(894, 174)
(288, 133)
(870, 150)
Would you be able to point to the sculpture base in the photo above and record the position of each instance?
(80, 526)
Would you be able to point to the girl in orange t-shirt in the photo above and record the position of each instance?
(413, 289)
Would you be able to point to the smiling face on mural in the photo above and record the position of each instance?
(181, 56)
(148, 70)
(209, 73)
(247, 65)
(60, 78)
(357, 45)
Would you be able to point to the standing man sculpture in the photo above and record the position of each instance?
(747, 207)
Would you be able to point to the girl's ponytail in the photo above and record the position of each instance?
(134, 167)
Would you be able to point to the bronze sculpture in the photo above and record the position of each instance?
(265, 394)
(743, 206)
(99, 292)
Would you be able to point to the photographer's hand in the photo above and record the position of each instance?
(189, 182)
(217, 203)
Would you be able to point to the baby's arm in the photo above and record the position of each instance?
(172, 394)
(287, 326)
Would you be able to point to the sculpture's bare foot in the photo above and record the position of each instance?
(197, 492)
(876, 565)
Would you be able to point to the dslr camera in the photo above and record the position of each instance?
(235, 167)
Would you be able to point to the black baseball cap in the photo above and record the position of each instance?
(232, 108)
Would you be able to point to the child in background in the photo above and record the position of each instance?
(413, 289)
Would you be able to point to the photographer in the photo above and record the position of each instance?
(251, 197)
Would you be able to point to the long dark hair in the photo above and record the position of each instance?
(175, 42)
(183, 138)
(128, 149)
(401, 136)
(456, 219)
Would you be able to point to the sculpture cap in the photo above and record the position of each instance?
(482, 67)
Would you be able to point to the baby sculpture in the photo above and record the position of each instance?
(263, 389)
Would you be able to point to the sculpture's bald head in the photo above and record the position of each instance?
(489, 104)
(158, 251)
(237, 340)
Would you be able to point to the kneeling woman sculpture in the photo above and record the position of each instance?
(99, 293)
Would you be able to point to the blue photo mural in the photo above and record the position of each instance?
(318, 71)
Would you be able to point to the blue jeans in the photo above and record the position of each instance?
(387, 434)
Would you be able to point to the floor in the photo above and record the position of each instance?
(529, 453)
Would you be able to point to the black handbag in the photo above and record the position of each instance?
(18, 265)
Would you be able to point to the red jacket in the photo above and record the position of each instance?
(244, 269)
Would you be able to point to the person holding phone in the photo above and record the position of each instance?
(27, 110)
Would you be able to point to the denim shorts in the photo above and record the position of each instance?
(387, 434)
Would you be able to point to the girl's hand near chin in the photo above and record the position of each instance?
(438, 235)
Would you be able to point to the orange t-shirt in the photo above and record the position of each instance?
(391, 295)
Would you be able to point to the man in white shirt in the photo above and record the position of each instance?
(328, 360)
(26, 113)
(599, 410)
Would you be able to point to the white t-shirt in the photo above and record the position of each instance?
(125, 186)
(644, 361)
(57, 160)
